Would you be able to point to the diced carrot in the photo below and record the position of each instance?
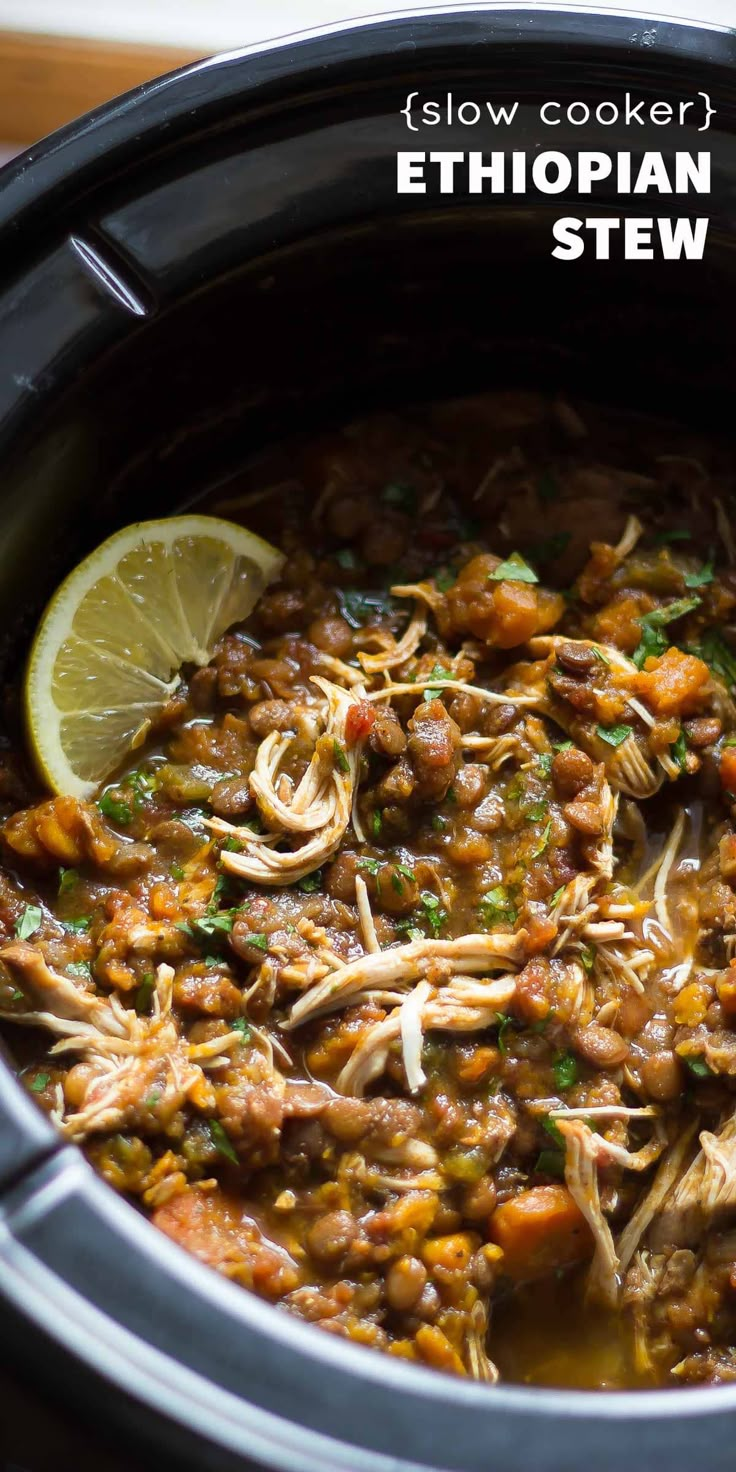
(728, 769)
(692, 1003)
(540, 1230)
(673, 683)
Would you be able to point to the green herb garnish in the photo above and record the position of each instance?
(496, 907)
(514, 570)
(614, 735)
(435, 914)
(144, 993)
(504, 1023)
(543, 842)
(115, 809)
(699, 1067)
(341, 761)
(565, 1070)
(68, 878)
(40, 1082)
(222, 1142)
(376, 822)
(29, 922)
(401, 496)
(550, 1163)
(700, 578)
(653, 642)
(311, 882)
(678, 751)
(240, 1025)
(544, 764)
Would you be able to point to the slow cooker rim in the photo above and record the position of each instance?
(119, 124)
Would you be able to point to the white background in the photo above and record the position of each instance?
(219, 25)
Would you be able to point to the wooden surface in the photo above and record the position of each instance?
(46, 81)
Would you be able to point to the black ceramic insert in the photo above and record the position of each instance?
(213, 261)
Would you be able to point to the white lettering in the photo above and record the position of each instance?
(692, 172)
(680, 237)
(431, 114)
(446, 160)
(551, 122)
(540, 173)
(409, 171)
(592, 166)
(474, 116)
(637, 240)
(585, 114)
(652, 173)
(602, 230)
(661, 113)
(499, 115)
(570, 245)
(478, 171)
(599, 114)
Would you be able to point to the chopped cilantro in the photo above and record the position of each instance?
(40, 1082)
(79, 968)
(407, 927)
(504, 1023)
(115, 809)
(699, 1067)
(177, 872)
(240, 1025)
(439, 823)
(544, 764)
(311, 882)
(717, 654)
(152, 1100)
(551, 1129)
(221, 1141)
(543, 842)
(259, 939)
(700, 578)
(562, 745)
(556, 896)
(17, 995)
(406, 871)
(231, 844)
(653, 642)
(496, 907)
(371, 866)
(67, 880)
(603, 658)
(78, 925)
(536, 812)
(614, 735)
(434, 913)
(28, 923)
(376, 822)
(341, 761)
(550, 1163)
(678, 751)
(444, 579)
(359, 607)
(565, 1070)
(514, 570)
(440, 674)
(345, 557)
(587, 956)
(142, 999)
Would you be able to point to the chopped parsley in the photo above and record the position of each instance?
(587, 956)
(240, 1025)
(115, 808)
(717, 654)
(543, 844)
(504, 1023)
(653, 642)
(311, 882)
(359, 607)
(614, 735)
(496, 907)
(550, 1163)
(40, 1082)
(565, 745)
(678, 534)
(699, 1067)
(68, 878)
(514, 570)
(435, 914)
(222, 1142)
(259, 939)
(144, 993)
(544, 764)
(440, 674)
(79, 968)
(29, 922)
(177, 872)
(231, 844)
(699, 579)
(556, 896)
(565, 1070)
(678, 751)
(537, 811)
(376, 822)
(551, 1129)
(341, 761)
(79, 925)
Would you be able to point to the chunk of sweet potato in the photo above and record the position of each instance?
(673, 683)
(540, 1230)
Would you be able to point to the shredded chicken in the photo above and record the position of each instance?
(581, 1176)
(395, 652)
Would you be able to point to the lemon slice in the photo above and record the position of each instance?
(110, 645)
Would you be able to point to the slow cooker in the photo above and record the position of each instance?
(207, 263)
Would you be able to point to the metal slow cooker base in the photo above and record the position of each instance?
(211, 262)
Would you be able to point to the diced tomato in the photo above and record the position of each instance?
(358, 723)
